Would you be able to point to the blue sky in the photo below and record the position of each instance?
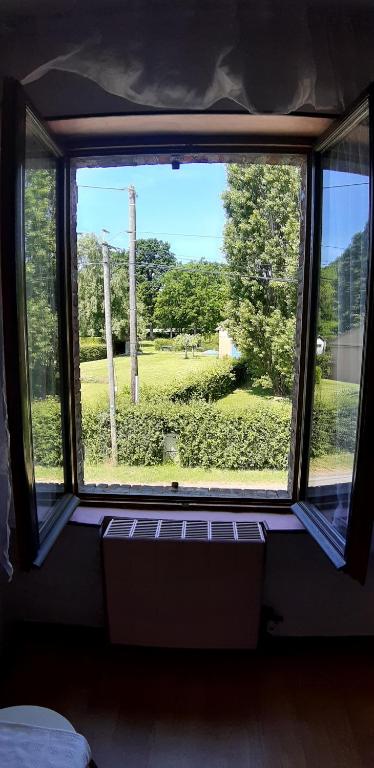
(345, 211)
(186, 202)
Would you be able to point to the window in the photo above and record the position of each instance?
(341, 320)
(43, 313)
(35, 325)
(329, 416)
(218, 262)
(338, 418)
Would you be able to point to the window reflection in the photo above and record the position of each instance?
(42, 319)
(342, 300)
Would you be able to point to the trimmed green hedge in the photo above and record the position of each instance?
(334, 426)
(215, 382)
(209, 385)
(257, 440)
(46, 432)
(163, 341)
(205, 437)
(206, 341)
(91, 348)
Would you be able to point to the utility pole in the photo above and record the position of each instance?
(132, 297)
(109, 346)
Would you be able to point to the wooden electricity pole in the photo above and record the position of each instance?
(109, 346)
(132, 297)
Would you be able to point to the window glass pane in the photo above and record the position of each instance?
(43, 318)
(342, 301)
(217, 279)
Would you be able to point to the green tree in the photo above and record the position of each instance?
(153, 260)
(192, 297)
(261, 241)
(40, 266)
(343, 288)
(91, 291)
(90, 286)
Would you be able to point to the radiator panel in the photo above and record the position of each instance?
(183, 592)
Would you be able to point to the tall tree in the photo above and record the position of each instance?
(40, 256)
(261, 239)
(192, 297)
(153, 260)
(91, 291)
(343, 288)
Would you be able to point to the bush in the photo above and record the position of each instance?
(210, 341)
(205, 436)
(257, 440)
(215, 382)
(91, 348)
(140, 432)
(164, 341)
(46, 432)
(333, 426)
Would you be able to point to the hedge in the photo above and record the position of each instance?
(91, 348)
(46, 432)
(215, 382)
(206, 436)
(164, 341)
(334, 426)
(256, 440)
(207, 341)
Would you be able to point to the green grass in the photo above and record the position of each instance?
(160, 368)
(329, 389)
(164, 474)
(155, 369)
(247, 399)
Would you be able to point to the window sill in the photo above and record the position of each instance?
(85, 515)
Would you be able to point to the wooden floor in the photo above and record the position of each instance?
(290, 708)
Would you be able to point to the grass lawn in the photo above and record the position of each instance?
(248, 398)
(159, 368)
(164, 474)
(329, 389)
(325, 469)
(155, 368)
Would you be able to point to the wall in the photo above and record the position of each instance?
(300, 585)
(311, 595)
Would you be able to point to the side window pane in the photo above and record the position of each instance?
(43, 318)
(342, 307)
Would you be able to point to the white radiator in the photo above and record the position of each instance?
(186, 584)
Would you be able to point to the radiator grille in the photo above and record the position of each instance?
(184, 530)
(145, 529)
(171, 529)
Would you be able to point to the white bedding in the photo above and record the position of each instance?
(29, 746)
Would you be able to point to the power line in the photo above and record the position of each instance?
(178, 234)
(170, 234)
(354, 184)
(111, 189)
(262, 278)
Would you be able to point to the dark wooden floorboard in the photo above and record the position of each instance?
(309, 708)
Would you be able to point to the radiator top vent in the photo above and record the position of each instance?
(184, 530)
